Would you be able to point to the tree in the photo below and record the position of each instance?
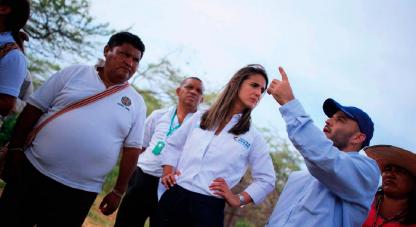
(58, 30)
(285, 161)
(157, 83)
(159, 80)
(63, 30)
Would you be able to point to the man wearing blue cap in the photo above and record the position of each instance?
(339, 186)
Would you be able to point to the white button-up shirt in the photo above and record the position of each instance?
(201, 156)
(156, 127)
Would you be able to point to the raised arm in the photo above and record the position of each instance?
(349, 176)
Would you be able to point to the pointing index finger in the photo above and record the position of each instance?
(283, 73)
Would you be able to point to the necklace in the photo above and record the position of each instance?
(397, 217)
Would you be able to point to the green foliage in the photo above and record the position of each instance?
(285, 161)
(209, 98)
(160, 80)
(5, 134)
(157, 83)
(61, 29)
(243, 223)
(111, 179)
(40, 66)
(152, 102)
(7, 128)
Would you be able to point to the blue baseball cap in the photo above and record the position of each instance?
(364, 121)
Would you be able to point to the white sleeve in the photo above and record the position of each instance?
(262, 171)
(174, 144)
(13, 67)
(135, 137)
(43, 97)
(149, 127)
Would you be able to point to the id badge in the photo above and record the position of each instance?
(158, 147)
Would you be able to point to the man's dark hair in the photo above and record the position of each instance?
(190, 78)
(120, 38)
(17, 18)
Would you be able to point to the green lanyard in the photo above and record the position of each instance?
(161, 144)
(172, 129)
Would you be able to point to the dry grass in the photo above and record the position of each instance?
(96, 219)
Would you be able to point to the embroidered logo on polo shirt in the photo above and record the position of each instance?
(125, 102)
(242, 141)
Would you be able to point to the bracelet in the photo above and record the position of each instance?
(15, 149)
(242, 202)
(117, 193)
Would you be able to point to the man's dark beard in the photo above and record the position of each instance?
(340, 140)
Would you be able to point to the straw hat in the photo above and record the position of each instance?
(388, 154)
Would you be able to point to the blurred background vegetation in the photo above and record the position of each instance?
(63, 31)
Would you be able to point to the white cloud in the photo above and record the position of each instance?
(358, 52)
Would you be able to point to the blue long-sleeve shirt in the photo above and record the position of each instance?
(13, 68)
(337, 190)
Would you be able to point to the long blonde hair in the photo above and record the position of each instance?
(220, 109)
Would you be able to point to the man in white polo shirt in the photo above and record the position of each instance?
(141, 199)
(57, 178)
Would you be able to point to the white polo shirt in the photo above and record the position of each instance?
(156, 128)
(80, 147)
(201, 156)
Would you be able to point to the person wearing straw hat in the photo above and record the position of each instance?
(395, 202)
(339, 186)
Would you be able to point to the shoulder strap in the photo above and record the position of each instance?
(6, 48)
(74, 106)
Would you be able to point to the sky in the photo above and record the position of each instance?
(361, 53)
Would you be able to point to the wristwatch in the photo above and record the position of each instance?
(242, 202)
